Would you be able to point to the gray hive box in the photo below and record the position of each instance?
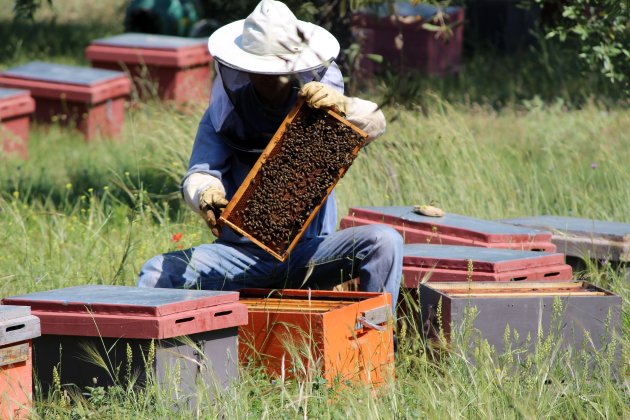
(524, 306)
(194, 334)
(583, 239)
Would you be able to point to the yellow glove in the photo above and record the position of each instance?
(212, 203)
(318, 95)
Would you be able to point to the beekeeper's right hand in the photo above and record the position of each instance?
(211, 204)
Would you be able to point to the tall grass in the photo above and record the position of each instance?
(102, 218)
(482, 144)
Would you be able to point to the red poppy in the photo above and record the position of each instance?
(176, 237)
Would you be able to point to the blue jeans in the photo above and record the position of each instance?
(373, 253)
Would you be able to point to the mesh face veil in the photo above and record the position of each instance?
(248, 123)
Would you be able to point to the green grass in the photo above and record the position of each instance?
(92, 213)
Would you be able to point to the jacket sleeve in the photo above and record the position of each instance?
(367, 116)
(364, 114)
(209, 161)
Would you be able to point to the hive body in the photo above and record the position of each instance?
(296, 333)
(16, 106)
(91, 100)
(193, 334)
(525, 307)
(174, 68)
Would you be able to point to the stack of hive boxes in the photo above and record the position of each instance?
(93, 100)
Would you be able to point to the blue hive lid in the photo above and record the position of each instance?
(150, 41)
(576, 226)
(450, 252)
(103, 299)
(404, 8)
(455, 221)
(61, 73)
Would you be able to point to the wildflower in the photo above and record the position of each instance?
(593, 165)
(177, 237)
(68, 186)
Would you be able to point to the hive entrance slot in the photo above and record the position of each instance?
(15, 327)
(182, 320)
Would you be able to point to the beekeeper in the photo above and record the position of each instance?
(263, 64)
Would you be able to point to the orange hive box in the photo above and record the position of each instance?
(17, 328)
(292, 182)
(345, 336)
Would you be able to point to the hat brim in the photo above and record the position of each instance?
(320, 50)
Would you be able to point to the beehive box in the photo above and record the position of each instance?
(16, 106)
(92, 100)
(449, 263)
(346, 336)
(296, 172)
(193, 333)
(17, 329)
(403, 42)
(583, 239)
(451, 229)
(523, 307)
(175, 68)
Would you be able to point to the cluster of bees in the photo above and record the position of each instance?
(296, 177)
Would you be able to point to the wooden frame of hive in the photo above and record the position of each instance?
(228, 217)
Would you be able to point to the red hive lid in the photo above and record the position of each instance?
(159, 50)
(451, 224)
(63, 82)
(130, 312)
(14, 103)
(483, 259)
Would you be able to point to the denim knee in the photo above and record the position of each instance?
(386, 238)
(151, 272)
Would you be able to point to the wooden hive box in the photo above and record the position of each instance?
(345, 336)
(295, 175)
(523, 307)
(451, 229)
(16, 107)
(17, 330)
(449, 263)
(194, 334)
(92, 100)
(175, 68)
(582, 239)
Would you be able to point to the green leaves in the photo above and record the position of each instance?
(599, 29)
